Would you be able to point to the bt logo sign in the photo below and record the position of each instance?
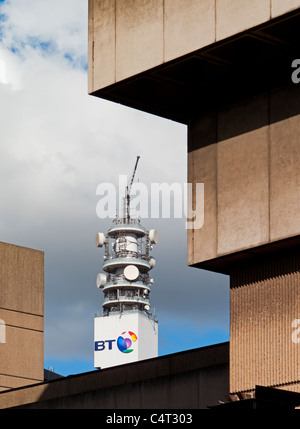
(124, 343)
(101, 345)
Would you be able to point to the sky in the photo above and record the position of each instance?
(57, 144)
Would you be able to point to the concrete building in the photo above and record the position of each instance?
(22, 316)
(190, 380)
(226, 69)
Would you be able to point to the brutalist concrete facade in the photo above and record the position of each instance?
(265, 300)
(224, 68)
(22, 316)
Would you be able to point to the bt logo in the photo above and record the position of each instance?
(124, 344)
(100, 345)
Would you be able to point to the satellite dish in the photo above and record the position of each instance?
(131, 272)
(153, 236)
(100, 239)
(147, 307)
(101, 280)
(152, 262)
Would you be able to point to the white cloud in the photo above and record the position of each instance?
(3, 72)
(58, 26)
(10, 69)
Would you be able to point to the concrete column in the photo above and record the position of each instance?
(264, 323)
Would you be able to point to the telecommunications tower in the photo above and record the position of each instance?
(127, 331)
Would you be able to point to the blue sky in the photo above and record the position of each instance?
(57, 144)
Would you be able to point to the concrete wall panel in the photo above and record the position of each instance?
(284, 164)
(102, 51)
(189, 26)
(139, 36)
(279, 7)
(202, 168)
(243, 205)
(22, 320)
(21, 279)
(248, 160)
(23, 354)
(234, 16)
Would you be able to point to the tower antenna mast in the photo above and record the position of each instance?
(126, 284)
(128, 190)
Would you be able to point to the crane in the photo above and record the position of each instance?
(128, 190)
